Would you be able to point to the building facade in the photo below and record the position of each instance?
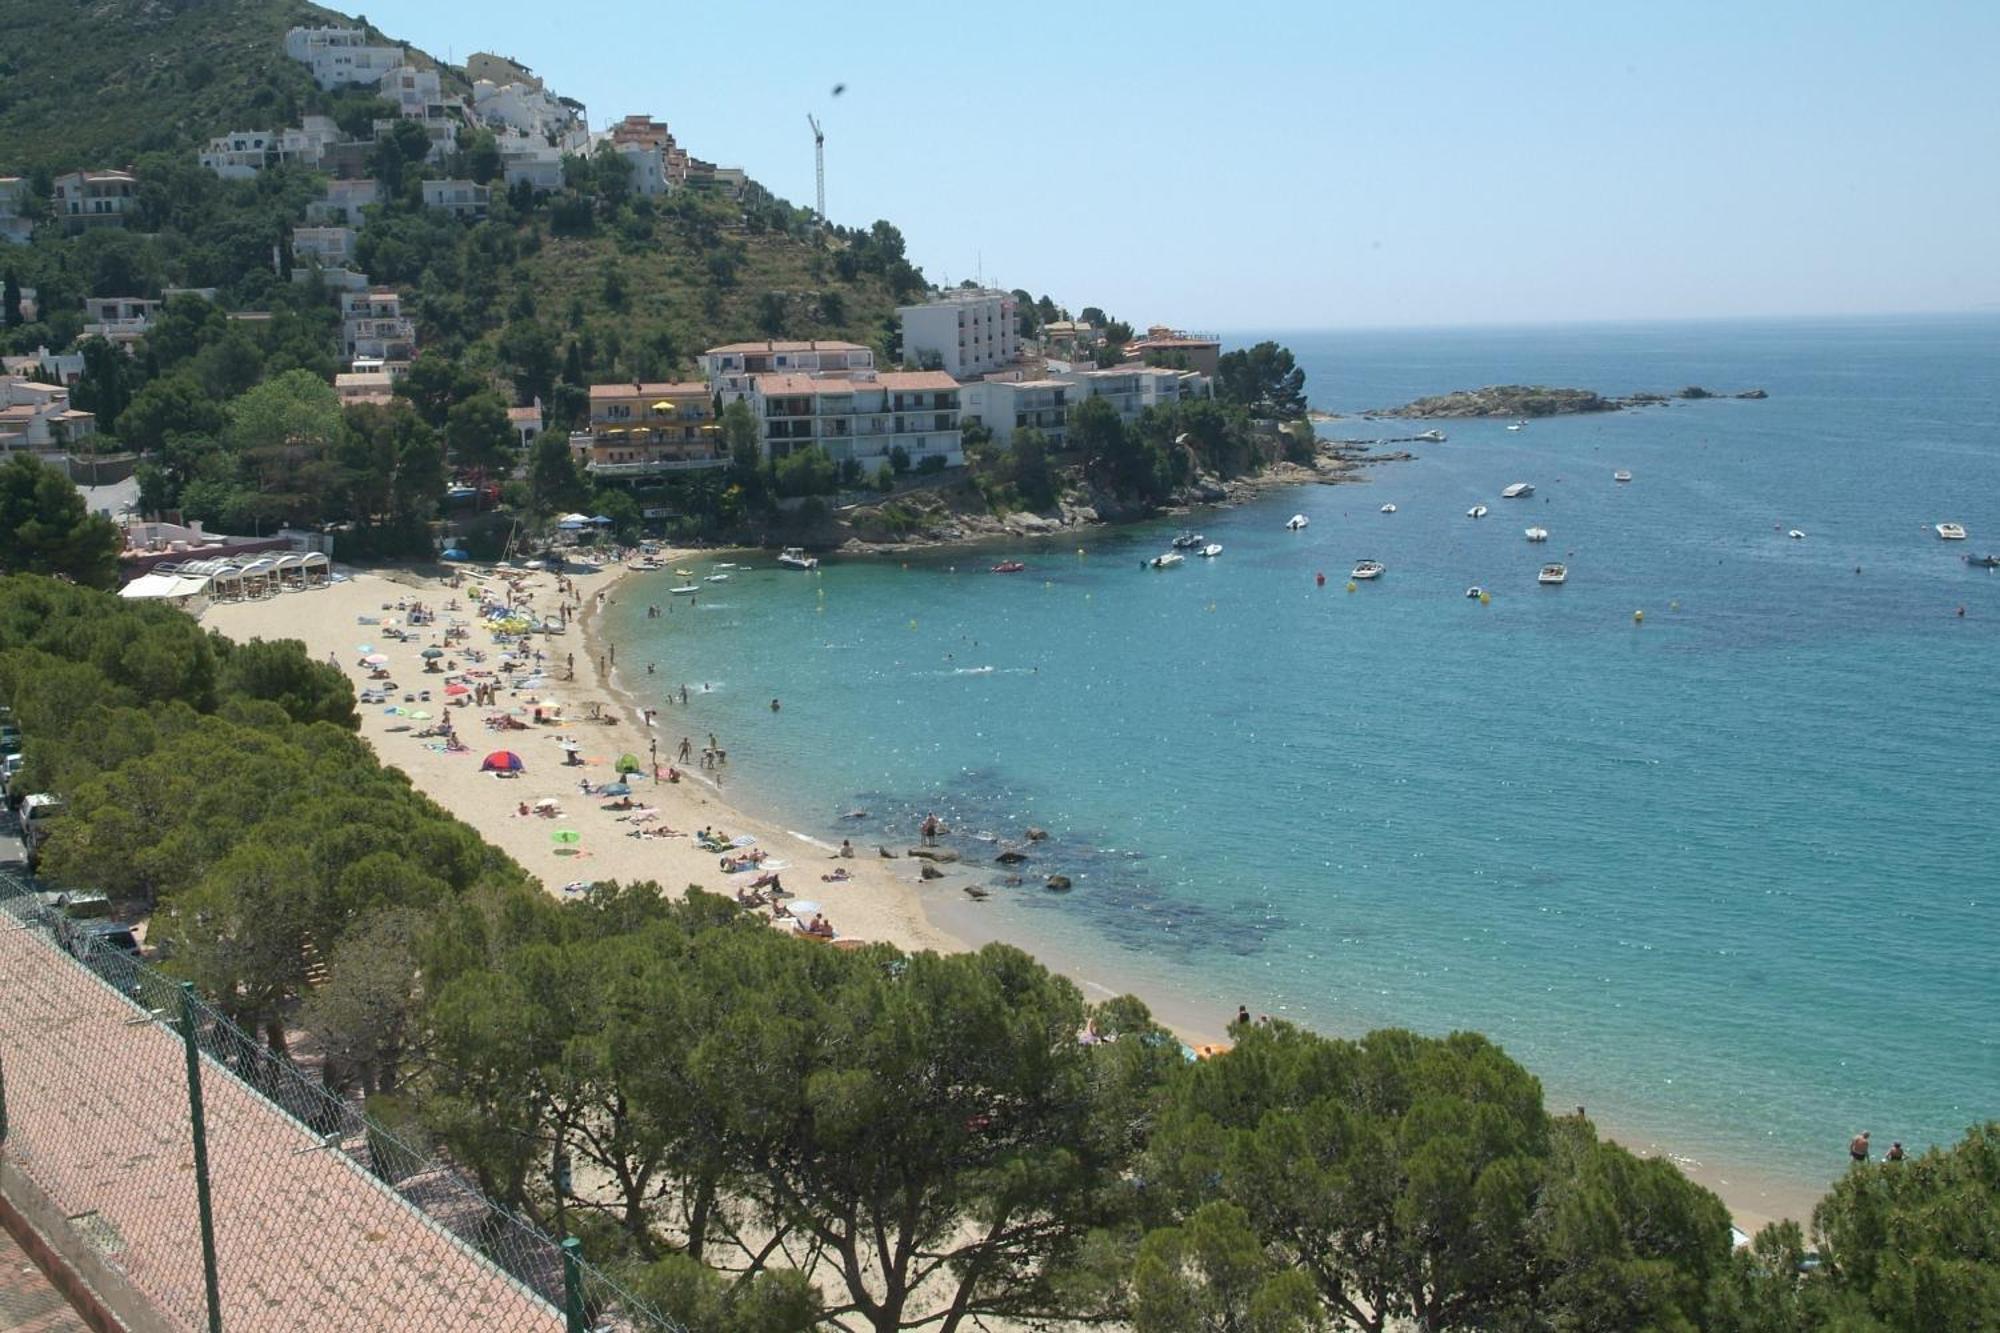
(863, 420)
(731, 368)
(343, 201)
(461, 199)
(373, 328)
(15, 225)
(639, 431)
(38, 417)
(1005, 406)
(1177, 349)
(968, 332)
(340, 56)
(95, 198)
(331, 247)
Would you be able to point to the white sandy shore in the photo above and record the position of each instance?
(880, 902)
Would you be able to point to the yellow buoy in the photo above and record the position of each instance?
(1079, 550)
(1486, 599)
(1351, 585)
(913, 624)
(1638, 617)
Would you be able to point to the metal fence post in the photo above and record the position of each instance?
(3, 1101)
(572, 1255)
(203, 1204)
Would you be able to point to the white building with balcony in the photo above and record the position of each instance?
(1005, 406)
(343, 201)
(640, 431)
(42, 364)
(531, 161)
(731, 367)
(15, 227)
(38, 417)
(374, 328)
(460, 198)
(863, 420)
(241, 154)
(330, 247)
(968, 331)
(95, 198)
(340, 56)
(1131, 389)
(119, 319)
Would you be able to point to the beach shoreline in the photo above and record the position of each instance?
(883, 900)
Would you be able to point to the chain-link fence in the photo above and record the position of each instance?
(227, 1186)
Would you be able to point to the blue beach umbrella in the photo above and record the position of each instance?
(615, 789)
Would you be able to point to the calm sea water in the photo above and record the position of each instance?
(1729, 877)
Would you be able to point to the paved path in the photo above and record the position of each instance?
(28, 1304)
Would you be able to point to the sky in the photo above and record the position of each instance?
(1272, 165)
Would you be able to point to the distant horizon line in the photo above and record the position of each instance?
(1989, 310)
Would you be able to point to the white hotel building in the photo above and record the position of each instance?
(730, 369)
(863, 419)
(970, 331)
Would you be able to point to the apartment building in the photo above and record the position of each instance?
(1177, 349)
(343, 201)
(119, 319)
(95, 198)
(241, 154)
(862, 419)
(460, 198)
(968, 331)
(642, 430)
(38, 417)
(330, 247)
(1004, 406)
(340, 56)
(374, 328)
(731, 367)
(42, 364)
(1131, 389)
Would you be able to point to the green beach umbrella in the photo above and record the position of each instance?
(433, 653)
(629, 763)
(566, 836)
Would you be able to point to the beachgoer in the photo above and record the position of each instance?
(1857, 1147)
(930, 829)
(1243, 1013)
(847, 849)
(687, 750)
(774, 702)
(684, 695)
(1895, 1153)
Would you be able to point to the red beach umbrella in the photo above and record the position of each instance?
(501, 761)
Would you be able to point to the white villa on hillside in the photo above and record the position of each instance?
(462, 199)
(37, 417)
(1004, 406)
(374, 328)
(95, 198)
(340, 56)
(969, 331)
(731, 368)
(343, 202)
(332, 247)
(241, 154)
(863, 419)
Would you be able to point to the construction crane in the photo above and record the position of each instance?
(819, 163)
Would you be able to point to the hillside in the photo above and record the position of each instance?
(98, 82)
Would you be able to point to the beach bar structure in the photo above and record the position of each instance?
(264, 574)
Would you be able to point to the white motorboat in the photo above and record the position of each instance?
(1296, 521)
(1432, 436)
(1477, 511)
(1520, 490)
(1536, 534)
(1796, 534)
(1475, 591)
(1951, 532)
(1388, 509)
(795, 557)
(1212, 550)
(1188, 540)
(1621, 475)
(716, 578)
(645, 566)
(1516, 425)
(1170, 560)
(1553, 574)
(686, 589)
(1368, 569)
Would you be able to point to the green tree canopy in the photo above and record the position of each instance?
(1263, 379)
(45, 527)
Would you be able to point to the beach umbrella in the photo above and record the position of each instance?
(802, 909)
(419, 715)
(614, 789)
(376, 659)
(454, 690)
(502, 761)
(629, 763)
(455, 554)
(432, 654)
(601, 521)
(548, 803)
(566, 836)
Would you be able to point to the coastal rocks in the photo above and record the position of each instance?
(928, 871)
(944, 854)
(1754, 394)
(885, 853)
(1056, 884)
(1517, 401)
(977, 894)
(1037, 834)
(1011, 858)
(1028, 524)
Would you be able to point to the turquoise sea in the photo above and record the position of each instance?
(1730, 877)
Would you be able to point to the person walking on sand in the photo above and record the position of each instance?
(654, 754)
(1857, 1148)
(930, 830)
(687, 749)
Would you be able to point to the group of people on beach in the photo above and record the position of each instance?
(1858, 1148)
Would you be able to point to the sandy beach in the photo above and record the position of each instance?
(878, 902)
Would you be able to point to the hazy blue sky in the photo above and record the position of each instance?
(1264, 164)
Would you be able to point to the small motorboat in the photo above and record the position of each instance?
(1520, 490)
(1983, 561)
(1518, 425)
(1797, 534)
(1951, 532)
(1537, 534)
(1296, 522)
(795, 557)
(1477, 511)
(686, 589)
(1388, 509)
(1210, 551)
(1432, 436)
(1008, 567)
(1188, 540)
(716, 578)
(1553, 574)
(1368, 569)
(1621, 475)
(1475, 592)
(1170, 560)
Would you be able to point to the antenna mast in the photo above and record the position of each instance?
(819, 164)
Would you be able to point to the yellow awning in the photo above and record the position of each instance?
(613, 430)
(663, 406)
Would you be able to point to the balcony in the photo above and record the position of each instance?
(651, 467)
